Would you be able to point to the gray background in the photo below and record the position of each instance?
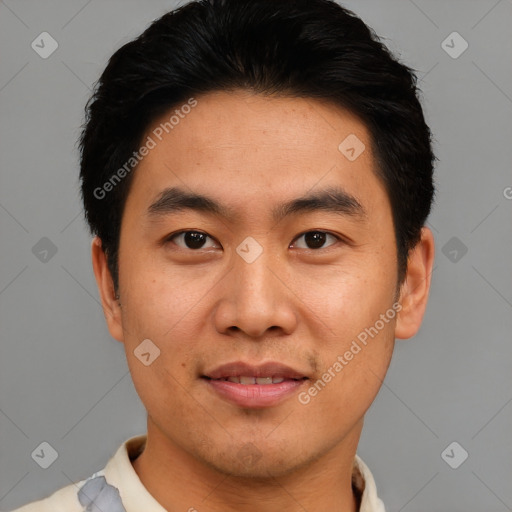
(63, 379)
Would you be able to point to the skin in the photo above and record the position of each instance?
(297, 305)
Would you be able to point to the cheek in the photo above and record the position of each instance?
(159, 303)
(161, 308)
(348, 298)
(359, 315)
(163, 391)
(352, 375)
(168, 310)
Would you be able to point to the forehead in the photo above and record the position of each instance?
(248, 147)
(223, 120)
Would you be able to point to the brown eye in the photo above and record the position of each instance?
(190, 239)
(316, 239)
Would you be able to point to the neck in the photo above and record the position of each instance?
(179, 481)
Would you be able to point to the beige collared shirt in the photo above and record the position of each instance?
(117, 488)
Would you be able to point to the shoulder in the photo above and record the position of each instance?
(105, 490)
(93, 491)
(63, 500)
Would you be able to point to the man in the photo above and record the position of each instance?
(257, 175)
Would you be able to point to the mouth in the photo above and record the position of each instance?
(254, 386)
(248, 381)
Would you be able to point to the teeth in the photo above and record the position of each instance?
(245, 380)
(263, 380)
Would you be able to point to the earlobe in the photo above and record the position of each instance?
(111, 307)
(416, 286)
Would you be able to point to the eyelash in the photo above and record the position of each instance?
(179, 233)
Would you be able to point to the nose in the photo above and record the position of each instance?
(256, 298)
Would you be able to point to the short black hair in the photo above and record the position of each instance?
(296, 48)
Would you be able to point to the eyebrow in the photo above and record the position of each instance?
(331, 199)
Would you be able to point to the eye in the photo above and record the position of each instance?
(190, 240)
(316, 239)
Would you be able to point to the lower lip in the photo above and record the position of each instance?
(255, 395)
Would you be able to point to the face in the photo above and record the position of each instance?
(266, 279)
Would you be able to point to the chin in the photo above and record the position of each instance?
(251, 462)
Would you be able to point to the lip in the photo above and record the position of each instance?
(254, 395)
(269, 369)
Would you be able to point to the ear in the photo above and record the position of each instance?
(111, 306)
(416, 286)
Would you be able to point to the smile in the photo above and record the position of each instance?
(254, 385)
